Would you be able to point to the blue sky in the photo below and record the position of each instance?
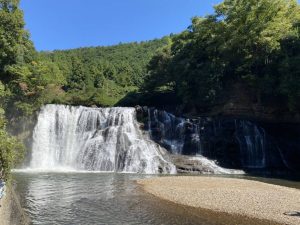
(65, 24)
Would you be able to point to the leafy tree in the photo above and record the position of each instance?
(158, 67)
(111, 71)
(253, 43)
(288, 70)
(76, 79)
(15, 46)
(253, 31)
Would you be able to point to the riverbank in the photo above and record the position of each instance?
(11, 212)
(227, 195)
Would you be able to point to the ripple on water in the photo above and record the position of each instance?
(85, 198)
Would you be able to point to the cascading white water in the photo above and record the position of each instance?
(172, 129)
(174, 133)
(252, 145)
(95, 139)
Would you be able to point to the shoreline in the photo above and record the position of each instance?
(11, 211)
(229, 197)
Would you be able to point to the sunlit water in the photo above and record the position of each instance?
(95, 139)
(74, 198)
(104, 198)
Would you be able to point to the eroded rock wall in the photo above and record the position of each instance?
(11, 212)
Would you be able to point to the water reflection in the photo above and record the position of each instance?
(89, 199)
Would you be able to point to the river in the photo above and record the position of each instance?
(106, 198)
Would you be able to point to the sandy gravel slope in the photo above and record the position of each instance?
(236, 196)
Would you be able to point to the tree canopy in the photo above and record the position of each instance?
(252, 42)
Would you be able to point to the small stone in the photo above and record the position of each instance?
(292, 213)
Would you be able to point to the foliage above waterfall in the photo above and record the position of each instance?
(86, 76)
(124, 63)
(255, 44)
(103, 75)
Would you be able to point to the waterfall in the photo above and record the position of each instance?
(183, 138)
(95, 139)
(169, 130)
(252, 144)
(210, 137)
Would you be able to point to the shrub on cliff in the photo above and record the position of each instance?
(11, 150)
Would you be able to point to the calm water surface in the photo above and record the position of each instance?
(90, 198)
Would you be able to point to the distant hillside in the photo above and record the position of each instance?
(103, 75)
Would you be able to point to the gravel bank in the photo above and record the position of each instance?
(235, 196)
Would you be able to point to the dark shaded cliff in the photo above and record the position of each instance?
(236, 143)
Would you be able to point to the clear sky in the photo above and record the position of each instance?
(65, 24)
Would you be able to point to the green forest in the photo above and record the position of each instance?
(246, 48)
(250, 47)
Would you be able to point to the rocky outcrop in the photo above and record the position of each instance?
(242, 101)
(199, 165)
(11, 212)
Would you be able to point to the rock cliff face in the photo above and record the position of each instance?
(233, 143)
(11, 212)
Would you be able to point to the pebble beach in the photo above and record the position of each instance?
(234, 196)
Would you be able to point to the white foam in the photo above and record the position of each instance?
(212, 165)
(74, 139)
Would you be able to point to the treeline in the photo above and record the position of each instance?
(102, 75)
(250, 44)
(87, 76)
